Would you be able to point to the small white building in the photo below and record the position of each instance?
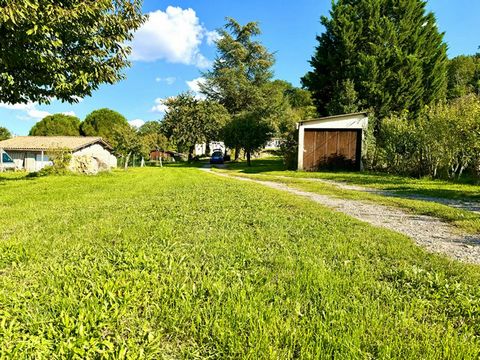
(333, 142)
(201, 149)
(31, 153)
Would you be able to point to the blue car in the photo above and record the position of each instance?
(217, 158)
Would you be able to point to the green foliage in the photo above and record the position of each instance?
(249, 131)
(104, 123)
(241, 68)
(61, 159)
(63, 49)
(57, 125)
(383, 55)
(189, 121)
(174, 263)
(127, 142)
(464, 76)
(442, 141)
(4, 133)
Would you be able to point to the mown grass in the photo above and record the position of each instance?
(175, 263)
(400, 185)
(464, 220)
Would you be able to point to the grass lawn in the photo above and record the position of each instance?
(176, 263)
(467, 221)
(398, 184)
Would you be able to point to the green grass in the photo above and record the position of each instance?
(175, 263)
(400, 185)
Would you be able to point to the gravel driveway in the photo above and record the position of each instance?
(429, 232)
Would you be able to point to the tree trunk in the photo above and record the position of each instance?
(249, 155)
(207, 148)
(237, 153)
(126, 160)
(142, 163)
(190, 153)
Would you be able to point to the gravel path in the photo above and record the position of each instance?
(429, 232)
(472, 206)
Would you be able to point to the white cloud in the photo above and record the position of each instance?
(137, 123)
(194, 86)
(212, 37)
(71, 113)
(159, 106)
(174, 35)
(30, 109)
(168, 80)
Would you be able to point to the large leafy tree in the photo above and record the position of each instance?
(4, 133)
(383, 55)
(57, 125)
(63, 49)
(104, 123)
(464, 76)
(249, 130)
(189, 121)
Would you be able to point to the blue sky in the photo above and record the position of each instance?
(175, 46)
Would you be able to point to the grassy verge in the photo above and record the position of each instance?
(465, 220)
(176, 263)
(397, 184)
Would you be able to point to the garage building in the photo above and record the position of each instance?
(333, 142)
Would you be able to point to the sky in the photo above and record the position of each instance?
(176, 45)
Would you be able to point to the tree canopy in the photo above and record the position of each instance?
(63, 49)
(189, 121)
(57, 125)
(464, 76)
(383, 55)
(241, 67)
(4, 133)
(104, 123)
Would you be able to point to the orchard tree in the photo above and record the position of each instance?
(127, 142)
(190, 121)
(105, 123)
(57, 125)
(63, 49)
(383, 55)
(250, 130)
(4, 133)
(463, 76)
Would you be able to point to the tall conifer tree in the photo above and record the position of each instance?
(389, 53)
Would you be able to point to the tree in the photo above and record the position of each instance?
(63, 49)
(190, 121)
(127, 142)
(383, 55)
(242, 67)
(249, 130)
(104, 123)
(57, 125)
(4, 133)
(463, 76)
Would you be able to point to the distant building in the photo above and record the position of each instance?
(274, 144)
(201, 149)
(31, 153)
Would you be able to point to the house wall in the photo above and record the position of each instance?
(30, 161)
(99, 152)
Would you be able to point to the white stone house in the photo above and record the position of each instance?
(31, 153)
(201, 149)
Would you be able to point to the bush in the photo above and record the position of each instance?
(442, 141)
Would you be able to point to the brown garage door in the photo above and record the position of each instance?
(332, 149)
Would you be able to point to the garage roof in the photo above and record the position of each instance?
(39, 143)
(335, 117)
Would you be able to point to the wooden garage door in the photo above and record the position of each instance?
(332, 149)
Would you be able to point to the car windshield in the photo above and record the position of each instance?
(217, 154)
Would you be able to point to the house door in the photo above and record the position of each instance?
(332, 149)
